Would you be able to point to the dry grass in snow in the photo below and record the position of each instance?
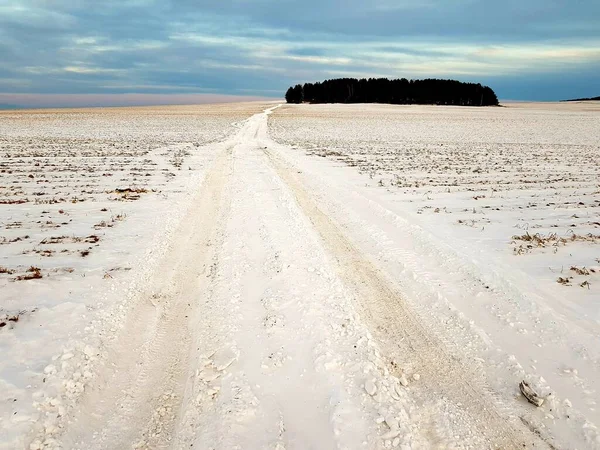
(521, 180)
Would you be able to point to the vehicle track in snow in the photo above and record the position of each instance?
(134, 400)
(402, 336)
(265, 327)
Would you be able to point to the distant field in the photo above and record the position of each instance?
(523, 180)
(85, 196)
(68, 174)
(300, 276)
(489, 220)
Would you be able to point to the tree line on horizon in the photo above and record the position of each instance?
(586, 99)
(429, 91)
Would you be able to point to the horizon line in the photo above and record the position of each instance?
(116, 100)
(29, 101)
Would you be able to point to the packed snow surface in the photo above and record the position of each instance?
(300, 276)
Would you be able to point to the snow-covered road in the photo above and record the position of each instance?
(265, 326)
(292, 308)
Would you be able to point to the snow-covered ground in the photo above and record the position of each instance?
(89, 200)
(315, 276)
(489, 219)
(522, 180)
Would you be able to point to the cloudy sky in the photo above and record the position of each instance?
(57, 51)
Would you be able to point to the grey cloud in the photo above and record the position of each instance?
(263, 46)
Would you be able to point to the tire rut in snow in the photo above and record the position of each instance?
(400, 332)
(135, 400)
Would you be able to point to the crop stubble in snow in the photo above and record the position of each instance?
(88, 202)
(220, 289)
(523, 179)
(476, 213)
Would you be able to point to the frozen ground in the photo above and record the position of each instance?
(375, 277)
(86, 196)
(522, 180)
(490, 220)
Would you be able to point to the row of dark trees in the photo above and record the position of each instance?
(402, 92)
(582, 99)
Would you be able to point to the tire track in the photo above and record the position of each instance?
(135, 400)
(399, 331)
(174, 376)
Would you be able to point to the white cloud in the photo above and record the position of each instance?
(170, 45)
(23, 14)
(91, 70)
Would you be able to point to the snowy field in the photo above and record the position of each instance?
(85, 197)
(310, 276)
(522, 180)
(490, 215)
